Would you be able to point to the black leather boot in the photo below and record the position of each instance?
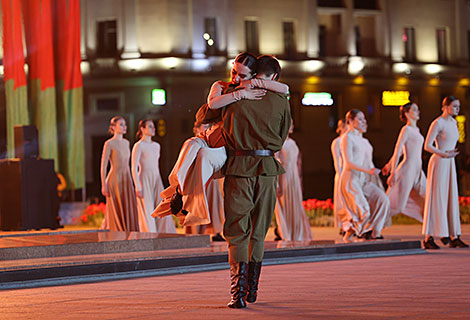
(254, 271)
(239, 285)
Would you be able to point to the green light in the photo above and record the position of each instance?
(158, 97)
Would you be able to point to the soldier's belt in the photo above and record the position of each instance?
(260, 153)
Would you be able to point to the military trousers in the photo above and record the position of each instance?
(249, 204)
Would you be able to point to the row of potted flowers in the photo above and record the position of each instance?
(319, 212)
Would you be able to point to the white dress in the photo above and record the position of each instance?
(195, 166)
(338, 165)
(366, 206)
(409, 189)
(145, 158)
(290, 214)
(441, 208)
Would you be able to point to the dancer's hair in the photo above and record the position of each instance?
(404, 109)
(113, 122)
(351, 115)
(268, 65)
(248, 60)
(448, 100)
(341, 123)
(142, 124)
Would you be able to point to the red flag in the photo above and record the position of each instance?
(13, 57)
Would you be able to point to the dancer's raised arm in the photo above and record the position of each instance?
(217, 99)
(271, 85)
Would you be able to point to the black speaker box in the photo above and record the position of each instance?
(26, 142)
(28, 194)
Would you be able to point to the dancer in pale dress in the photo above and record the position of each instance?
(441, 209)
(121, 207)
(341, 129)
(407, 183)
(366, 206)
(147, 180)
(203, 156)
(290, 214)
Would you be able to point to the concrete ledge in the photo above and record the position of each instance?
(193, 262)
(52, 245)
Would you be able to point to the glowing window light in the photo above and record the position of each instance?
(313, 80)
(461, 126)
(402, 81)
(434, 82)
(432, 68)
(359, 80)
(395, 98)
(464, 82)
(355, 65)
(206, 36)
(158, 97)
(317, 99)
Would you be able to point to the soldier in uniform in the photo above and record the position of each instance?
(253, 131)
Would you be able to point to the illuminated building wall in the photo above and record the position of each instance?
(351, 49)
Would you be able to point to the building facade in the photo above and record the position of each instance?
(350, 50)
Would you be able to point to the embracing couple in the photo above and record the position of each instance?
(250, 120)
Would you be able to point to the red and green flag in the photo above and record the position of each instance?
(69, 92)
(37, 18)
(14, 75)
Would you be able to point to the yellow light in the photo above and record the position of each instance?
(464, 82)
(313, 80)
(434, 82)
(461, 126)
(206, 36)
(210, 42)
(395, 98)
(402, 81)
(358, 80)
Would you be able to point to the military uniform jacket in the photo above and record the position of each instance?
(255, 125)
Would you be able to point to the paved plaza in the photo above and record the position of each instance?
(435, 285)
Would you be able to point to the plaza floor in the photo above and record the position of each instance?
(435, 285)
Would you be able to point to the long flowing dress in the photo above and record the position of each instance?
(121, 207)
(338, 165)
(290, 214)
(146, 156)
(195, 166)
(409, 189)
(366, 206)
(441, 208)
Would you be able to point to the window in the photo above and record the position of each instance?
(441, 35)
(107, 39)
(322, 40)
(330, 3)
(365, 4)
(329, 35)
(251, 36)
(290, 47)
(409, 42)
(357, 39)
(107, 103)
(468, 44)
(210, 35)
